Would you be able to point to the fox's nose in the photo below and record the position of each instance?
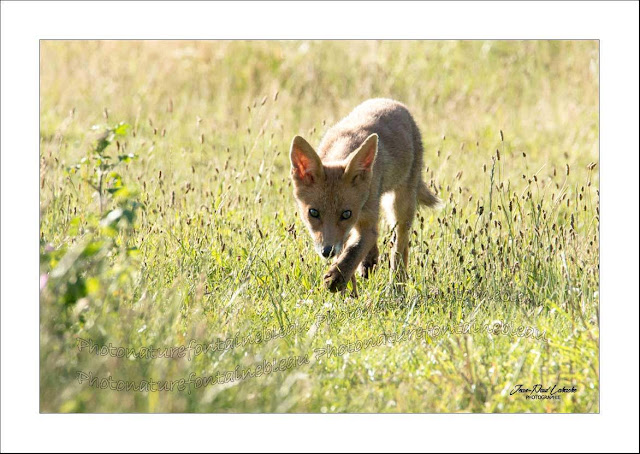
(327, 252)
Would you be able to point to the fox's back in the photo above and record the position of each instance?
(398, 149)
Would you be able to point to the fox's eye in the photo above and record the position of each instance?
(314, 213)
(346, 214)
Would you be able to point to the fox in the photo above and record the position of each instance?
(374, 154)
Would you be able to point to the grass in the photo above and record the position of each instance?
(198, 238)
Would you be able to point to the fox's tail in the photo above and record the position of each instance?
(428, 198)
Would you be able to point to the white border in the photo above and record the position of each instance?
(615, 24)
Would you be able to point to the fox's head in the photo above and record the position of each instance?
(331, 195)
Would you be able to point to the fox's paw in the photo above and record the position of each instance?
(366, 268)
(369, 263)
(334, 281)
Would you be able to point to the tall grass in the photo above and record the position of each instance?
(214, 248)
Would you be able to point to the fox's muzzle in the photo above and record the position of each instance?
(328, 251)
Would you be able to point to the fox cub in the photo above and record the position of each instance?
(375, 151)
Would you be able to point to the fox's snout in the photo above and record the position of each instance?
(328, 251)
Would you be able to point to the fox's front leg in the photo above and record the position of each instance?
(344, 268)
(354, 288)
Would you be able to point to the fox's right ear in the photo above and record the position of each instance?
(305, 162)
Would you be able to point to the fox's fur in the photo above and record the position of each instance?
(375, 151)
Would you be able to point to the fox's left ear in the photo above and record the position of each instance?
(360, 162)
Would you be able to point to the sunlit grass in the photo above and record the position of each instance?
(511, 137)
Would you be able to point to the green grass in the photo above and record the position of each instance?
(217, 250)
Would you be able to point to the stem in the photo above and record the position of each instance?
(100, 190)
(493, 168)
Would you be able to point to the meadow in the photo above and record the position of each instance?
(171, 251)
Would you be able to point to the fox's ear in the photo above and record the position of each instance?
(306, 164)
(360, 162)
